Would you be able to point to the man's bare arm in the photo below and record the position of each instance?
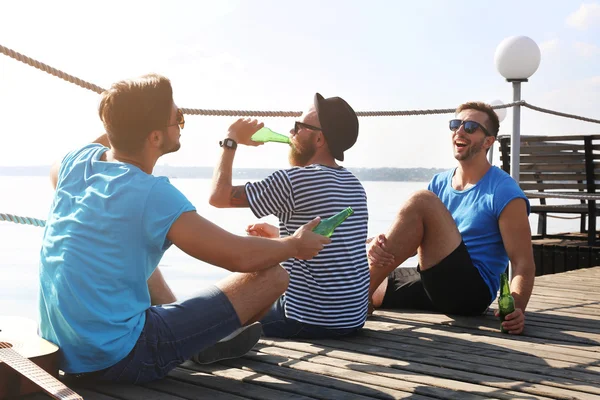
(160, 292)
(516, 235)
(208, 242)
(224, 194)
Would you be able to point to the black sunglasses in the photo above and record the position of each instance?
(180, 120)
(299, 125)
(470, 126)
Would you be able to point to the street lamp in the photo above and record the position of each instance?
(517, 58)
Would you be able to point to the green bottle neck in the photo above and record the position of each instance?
(505, 286)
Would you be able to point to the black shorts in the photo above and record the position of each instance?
(454, 286)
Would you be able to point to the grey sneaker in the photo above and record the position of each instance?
(235, 345)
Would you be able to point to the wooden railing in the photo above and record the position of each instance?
(559, 167)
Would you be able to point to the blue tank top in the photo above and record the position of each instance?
(476, 211)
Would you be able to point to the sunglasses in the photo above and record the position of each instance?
(300, 125)
(470, 126)
(180, 120)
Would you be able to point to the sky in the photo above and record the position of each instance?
(379, 55)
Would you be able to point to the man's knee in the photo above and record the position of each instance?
(424, 199)
(280, 278)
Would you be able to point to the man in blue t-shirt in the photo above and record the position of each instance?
(109, 225)
(464, 229)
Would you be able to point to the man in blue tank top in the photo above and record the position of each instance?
(109, 225)
(464, 229)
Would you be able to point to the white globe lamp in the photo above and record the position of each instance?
(517, 58)
(500, 112)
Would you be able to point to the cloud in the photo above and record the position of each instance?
(587, 15)
(549, 46)
(586, 49)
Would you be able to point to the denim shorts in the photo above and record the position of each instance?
(172, 334)
(276, 324)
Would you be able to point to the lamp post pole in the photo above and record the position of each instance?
(515, 137)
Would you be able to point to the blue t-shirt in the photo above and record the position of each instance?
(105, 235)
(476, 211)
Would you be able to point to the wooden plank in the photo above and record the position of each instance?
(243, 384)
(549, 138)
(85, 393)
(521, 344)
(566, 293)
(132, 392)
(314, 385)
(440, 339)
(475, 330)
(575, 310)
(569, 339)
(494, 355)
(377, 353)
(590, 283)
(362, 373)
(548, 176)
(554, 168)
(552, 158)
(558, 312)
(320, 385)
(553, 186)
(382, 370)
(560, 208)
(189, 391)
(541, 148)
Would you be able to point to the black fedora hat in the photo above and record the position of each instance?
(339, 124)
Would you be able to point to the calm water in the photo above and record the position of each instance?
(31, 196)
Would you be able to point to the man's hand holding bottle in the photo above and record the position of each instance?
(308, 243)
(242, 130)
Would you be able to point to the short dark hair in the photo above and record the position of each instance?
(133, 108)
(493, 121)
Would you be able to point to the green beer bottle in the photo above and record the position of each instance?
(506, 303)
(327, 226)
(267, 135)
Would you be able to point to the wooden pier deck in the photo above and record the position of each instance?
(414, 355)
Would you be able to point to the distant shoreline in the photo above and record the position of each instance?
(364, 174)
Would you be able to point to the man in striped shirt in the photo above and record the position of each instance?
(328, 295)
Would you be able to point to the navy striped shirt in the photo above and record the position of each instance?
(332, 289)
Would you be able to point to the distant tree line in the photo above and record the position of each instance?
(365, 174)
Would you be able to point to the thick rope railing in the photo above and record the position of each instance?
(22, 220)
(244, 113)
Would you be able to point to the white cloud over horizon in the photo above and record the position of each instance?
(586, 49)
(586, 16)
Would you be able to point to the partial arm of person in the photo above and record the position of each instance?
(102, 139)
(160, 292)
(263, 229)
(224, 194)
(206, 241)
(516, 235)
